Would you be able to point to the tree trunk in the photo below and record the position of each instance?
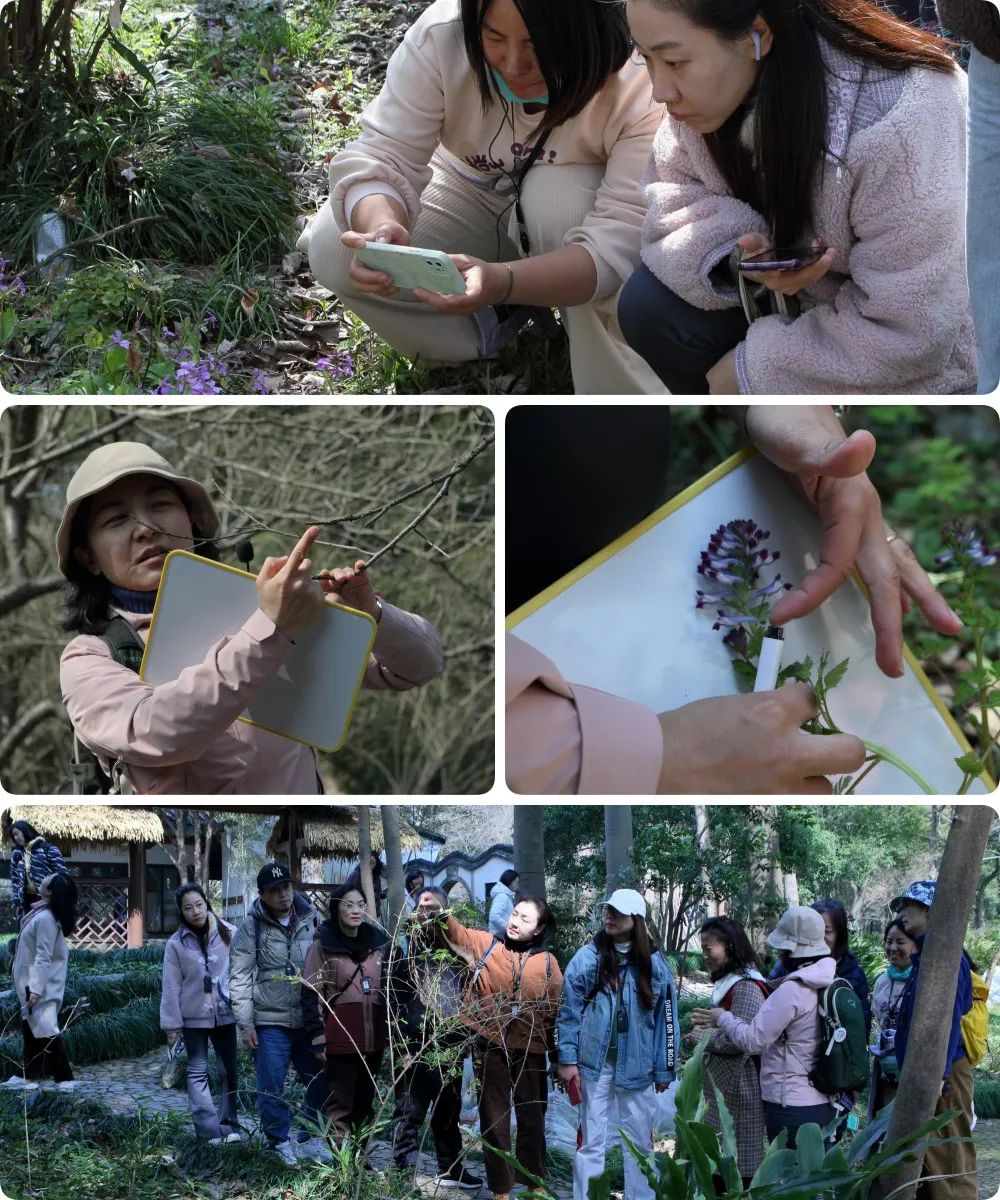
(920, 1079)
(934, 836)
(529, 848)
(206, 855)
(365, 858)
(703, 840)
(618, 864)
(393, 864)
(791, 889)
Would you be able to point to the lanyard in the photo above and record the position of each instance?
(518, 181)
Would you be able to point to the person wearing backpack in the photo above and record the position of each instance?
(194, 1005)
(957, 1160)
(837, 939)
(344, 1007)
(618, 1037)
(511, 1006)
(792, 1035)
(32, 861)
(887, 995)
(126, 509)
(266, 959)
(739, 988)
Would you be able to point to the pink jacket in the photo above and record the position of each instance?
(183, 738)
(790, 1010)
(563, 739)
(892, 314)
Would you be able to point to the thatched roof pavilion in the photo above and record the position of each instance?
(88, 825)
(332, 832)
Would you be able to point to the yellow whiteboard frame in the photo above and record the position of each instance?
(249, 720)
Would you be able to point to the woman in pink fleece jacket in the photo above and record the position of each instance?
(792, 123)
(126, 509)
(784, 1031)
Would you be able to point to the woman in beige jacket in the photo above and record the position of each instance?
(512, 134)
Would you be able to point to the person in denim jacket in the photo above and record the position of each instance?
(618, 1037)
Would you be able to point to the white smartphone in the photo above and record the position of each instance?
(411, 267)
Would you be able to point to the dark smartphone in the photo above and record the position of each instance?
(573, 1091)
(783, 258)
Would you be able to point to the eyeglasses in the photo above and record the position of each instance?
(353, 906)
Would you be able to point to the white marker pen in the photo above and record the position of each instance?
(769, 663)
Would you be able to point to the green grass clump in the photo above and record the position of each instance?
(100, 995)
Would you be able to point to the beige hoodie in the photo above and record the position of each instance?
(430, 102)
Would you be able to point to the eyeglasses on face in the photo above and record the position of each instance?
(353, 905)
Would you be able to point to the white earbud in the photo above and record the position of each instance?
(755, 37)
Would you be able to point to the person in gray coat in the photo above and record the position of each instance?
(193, 1002)
(39, 969)
(265, 968)
(502, 903)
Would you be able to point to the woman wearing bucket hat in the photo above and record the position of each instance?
(784, 1031)
(949, 1167)
(126, 509)
(618, 1037)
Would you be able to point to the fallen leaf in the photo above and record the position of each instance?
(249, 300)
(133, 357)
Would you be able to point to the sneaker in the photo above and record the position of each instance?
(214, 1141)
(231, 1138)
(313, 1149)
(67, 1085)
(284, 1151)
(459, 1177)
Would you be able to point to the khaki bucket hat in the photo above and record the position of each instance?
(800, 930)
(106, 465)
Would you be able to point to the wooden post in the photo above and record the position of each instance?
(294, 855)
(136, 928)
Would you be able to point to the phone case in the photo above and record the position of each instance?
(573, 1091)
(412, 267)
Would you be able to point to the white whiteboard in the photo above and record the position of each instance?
(625, 622)
(310, 699)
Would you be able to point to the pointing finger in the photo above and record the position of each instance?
(301, 549)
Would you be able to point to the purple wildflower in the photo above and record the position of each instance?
(119, 340)
(732, 562)
(196, 376)
(340, 363)
(167, 332)
(964, 546)
(10, 285)
(258, 381)
(211, 321)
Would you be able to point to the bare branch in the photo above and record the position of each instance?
(16, 594)
(26, 722)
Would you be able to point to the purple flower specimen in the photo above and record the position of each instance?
(733, 559)
(339, 364)
(964, 546)
(10, 285)
(258, 381)
(119, 340)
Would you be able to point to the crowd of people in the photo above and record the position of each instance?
(619, 161)
(334, 998)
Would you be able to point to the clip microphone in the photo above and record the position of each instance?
(244, 552)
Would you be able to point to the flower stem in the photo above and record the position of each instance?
(873, 762)
(903, 765)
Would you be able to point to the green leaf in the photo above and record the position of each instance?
(969, 764)
(700, 1160)
(800, 671)
(837, 674)
(728, 1129)
(599, 1188)
(809, 1146)
(131, 58)
(7, 323)
(689, 1089)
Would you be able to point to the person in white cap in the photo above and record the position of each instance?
(126, 509)
(784, 1031)
(618, 1037)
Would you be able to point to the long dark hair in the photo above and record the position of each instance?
(640, 957)
(29, 831)
(202, 935)
(791, 100)
(838, 917)
(546, 921)
(62, 902)
(87, 597)
(740, 955)
(578, 44)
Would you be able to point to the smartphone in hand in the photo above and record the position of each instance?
(412, 267)
(783, 258)
(573, 1090)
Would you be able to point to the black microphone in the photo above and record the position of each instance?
(244, 552)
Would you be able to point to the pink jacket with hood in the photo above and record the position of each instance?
(790, 1010)
(183, 737)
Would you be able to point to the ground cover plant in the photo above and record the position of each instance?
(179, 152)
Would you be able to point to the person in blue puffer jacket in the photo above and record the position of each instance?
(32, 861)
(618, 1037)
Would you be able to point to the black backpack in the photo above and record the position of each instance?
(841, 1063)
(87, 776)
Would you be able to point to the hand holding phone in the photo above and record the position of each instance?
(784, 258)
(413, 267)
(573, 1091)
(386, 229)
(785, 269)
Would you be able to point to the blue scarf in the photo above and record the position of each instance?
(898, 973)
(135, 602)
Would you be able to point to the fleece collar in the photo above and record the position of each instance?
(334, 941)
(844, 77)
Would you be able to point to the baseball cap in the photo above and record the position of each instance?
(628, 902)
(273, 874)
